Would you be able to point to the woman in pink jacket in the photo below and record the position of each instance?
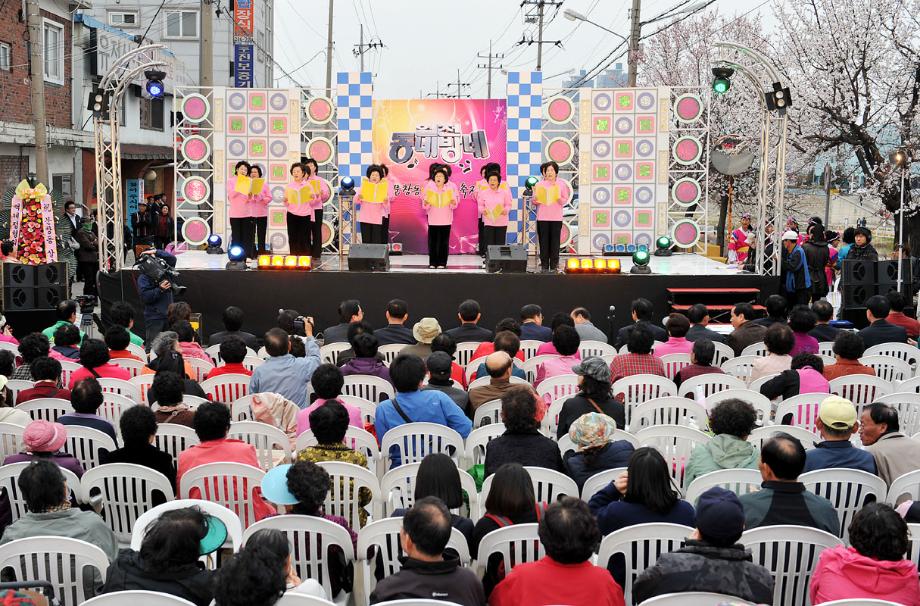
(439, 200)
(258, 213)
(874, 567)
(321, 189)
(386, 211)
(370, 214)
(494, 205)
(299, 211)
(550, 196)
(241, 232)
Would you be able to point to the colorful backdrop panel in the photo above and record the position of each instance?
(525, 148)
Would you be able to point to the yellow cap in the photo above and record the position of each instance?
(837, 413)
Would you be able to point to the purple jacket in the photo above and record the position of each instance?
(366, 366)
(63, 459)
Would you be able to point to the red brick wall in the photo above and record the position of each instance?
(13, 169)
(14, 84)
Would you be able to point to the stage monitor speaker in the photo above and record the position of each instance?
(33, 287)
(858, 272)
(369, 257)
(51, 274)
(506, 259)
(17, 274)
(18, 298)
(857, 296)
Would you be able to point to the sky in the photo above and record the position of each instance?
(427, 41)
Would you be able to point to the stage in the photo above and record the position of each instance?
(261, 293)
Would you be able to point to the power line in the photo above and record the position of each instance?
(488, 67)
(461, 86)
(537, 14)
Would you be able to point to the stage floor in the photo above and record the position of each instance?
(676, 265)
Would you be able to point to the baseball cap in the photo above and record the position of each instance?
(719, 515)
(837, 412)
(595, 368)
(790, 235)
(439, 363)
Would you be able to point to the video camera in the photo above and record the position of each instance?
(158, 270)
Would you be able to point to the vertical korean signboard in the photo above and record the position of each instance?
(243, 57)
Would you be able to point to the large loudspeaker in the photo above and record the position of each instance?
(369, 257)
(33, 287)
(858, 272)
(506, 259)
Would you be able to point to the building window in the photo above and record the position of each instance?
(6, 56)
(182, 24)
(151, 114)
(260, 45)
(63, 184)
(123, 18)
(53, 48)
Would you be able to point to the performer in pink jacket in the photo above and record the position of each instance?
(494, 206)
(321, 189)
(439, 199)
(550, 197)
(299, 210)
(386, 211)
(240, 226)
(258, 213)
(371, 213)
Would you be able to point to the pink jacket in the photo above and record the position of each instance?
(556, 367)
(258, 204)
(480, 187)
(324, 193)
(239, 203)
(301, 210)
(843, 573)
(552, 212)
(190, 349)
(488, 200)
(372, 212)
(303, 417)
(443, 215)
(106, 371)
(674, 345)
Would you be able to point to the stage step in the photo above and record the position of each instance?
(719, 301)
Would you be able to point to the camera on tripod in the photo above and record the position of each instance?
(158, 270)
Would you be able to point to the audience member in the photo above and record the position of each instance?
(836, 423)
(862, 249)
(804, 376)
(94, 359)
(566, 340)
(824, 313)
(42, 440)
(168, 358)
(212, 423)
(504, 325)
(425, 331)
(349, 311)
(699, 319)
(187, 344)
(395, 332)
(86, 398)
(272, 550)
(33, 345)
(168, 560)
(7, 363)
(138, 433)
(642, 310)
(880, 330)
(677, 342)
(446, 344)
(586, 330)
(895, 453)
(506, 341)
(848, 349)
(779, 341)
(438, 477)
(802, 320)
(282, 373)
(558, 319)
(354, 329)
(593, 396)
(365, 361)
(66, 312)
(469, 330)
(873, 567)
(896, 316)
(122, 314)
(776, 311)
(233, 328)
(167, 392)
(712, 559)
(596, 450)
(639, 360)
(439, 369)
(499, 366)
(232, 354)
(410, 405)
(522, 441)
(180, 311)
(782, 499)
(117, 339)
(46, 372)
(731, 422)
(701, 357)
(9, 413)
(746, 331)
(66, 342)
(532, 328)
(565, 575)
(328, 382)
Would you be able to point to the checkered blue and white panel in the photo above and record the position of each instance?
(524, 145)
(355, 110)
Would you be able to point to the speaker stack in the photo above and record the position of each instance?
(33, 287)
(864, 279)
(506, 259)
(369, 257)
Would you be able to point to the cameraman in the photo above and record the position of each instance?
(157, 296)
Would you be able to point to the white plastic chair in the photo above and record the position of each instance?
(548, 485)
(250, 363)
(68, 367)
(113, 406)
(193, 402)
(268, 440)
(847, 489)
(740, 367)
(674, 362)
(127, 493)
(860, 389)
(228, 517)
(355, 438)
(226, 388)
(311, 538)
(517, 544)
(550, 423)
(803, 408)
(640, 545)
(414, 441)
(302, 599)
(214, 353)
(143, 383)
(901, 351)
(368, 408)
(173, 438)
(530, 365)
(229, 484)
(9, 474)
(10, 439)
(762, 434)
(482, 381)
(669, 410)
(675, 443)
(711, 383)
(599, 481)
(389, 352)
(122, 388)
(529, 347)
(910, 385)
(371, 388)
(760, 402)
(61, 560)
(137, 350)
(397, 490)
(904, 487)
(476, 443)
(465, 352)
(147, 598)
(695, 598)
(241, 409)
(790, 553)
(470, 371)
(595, 349)
(134, 367)
(17, 385)
(757, 383)
(894, 370)
(553, 388)
(637, 389)
(908, 406)
(826, 348)
(723, 353)
(201, 368)
(488, 413)
(330, 352)
(87, 445)
(46, 409)
(739, 481)
(342, 498)
(860, 602)
(755, 349)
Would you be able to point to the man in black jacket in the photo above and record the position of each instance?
(880, 330)
(823, 331)
(710, 560)
(699, 317)
(233, 324)
(427, 572)
(395, 332)
(469, 330)
(642, 310)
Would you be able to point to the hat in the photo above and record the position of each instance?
(591, 430)
(43, 436)
(791, 235)
(275, 486)
(438, 363)
(837, 412)
(595, 368)
(719, 515)
(214, 538)
(863, 231)
(746, 216)
(425, 330)
(830, 235)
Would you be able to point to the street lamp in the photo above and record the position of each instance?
(504, 72)
(901, 158)
(572, 15)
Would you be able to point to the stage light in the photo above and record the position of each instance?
(609, 250)
(722, 79)
(587, 264)
(214, 242)
(396, 248)
(572, 266)
(237, 256)
(304, 262)
(613, 266)
(529, 184)
(663, 246)
(278, 261)
(155, 87)
(346, 186)
(641, 260)
(265, 261)
(290, 261)
(779, 99)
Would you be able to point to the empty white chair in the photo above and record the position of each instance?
(739, 481)
(760, 402)
(46, 409)
(670, 410)
(902, 351)
(200, 367)
(711, 383)
(127, 492)
(599, 481)
(412, 442)
(478, 440)
(803, 410)
(343, 498)
(637, 389)
(904, 487)
(355, 438)
(373, 389)
(847, 489)
(143, 383)
(87, 445)
(330, 352)
(910, 385)
(490, 412)
(147, 598)
(229, 519)
(17, 385)
(61, 560)
(674, 362)
(226, 388)
(556, 387)
(695, 598)
(229, 484)
(740, 367)
(888, 368)
(9, 474)
(517, 544)
(134, 367)
(723, 353)
(762, 434)
(790, 553)
(173, 438)
(272, 445)
(595, 349)
(675, 443)
(10, 439)
(122, 388)
(241, 408)
(860, 389)
(908, 406)
(755, 349)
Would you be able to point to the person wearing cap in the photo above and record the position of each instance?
(498, 366)
(439, 365)
(424, 331)
(731, 422)
(469, 313)
(862, 249)
(880, 330)
(168, 559)
(836, 423)
(44, 440)
(566, 340)
(782, 499)
(282, 373)
(701, 357)
(817, 257)
(712, 559)
(522, 441)
(595, 448)
(895, 453)
(593, 395)
(796, 275)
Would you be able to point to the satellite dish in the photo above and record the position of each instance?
(731, 155)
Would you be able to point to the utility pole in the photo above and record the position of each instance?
(37, 81)
(329, 52)
(206, 45)
(437, 94)
(489, 67)
(633, 57)
(828, 177)
(460, 86)
(360, 48)
(531, 17)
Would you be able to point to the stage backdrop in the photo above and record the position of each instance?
(410, 135)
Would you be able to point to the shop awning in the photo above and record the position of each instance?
(131, 151)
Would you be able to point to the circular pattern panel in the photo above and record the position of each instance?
(602, 101)
(622, 218)
(688, 107)
(278, 240)
(236, 148)
(685, 233)
(328, 233)
(599, 241)
(687, 150)
(601, 149)
(196, 190)
(643, 240)
(686, 191)
(645, 101)
(567, 235)
(560, 150)
(320, 149)
(623, 125)
(600, 195)
(623, 172)
(320, 110)
(644, 148)
(196, 149)
(195, 108)
(278, 101)
(278, 149)
(560, 110)
(644, 195)
(195, 231)
(236, 101)
(257, 125)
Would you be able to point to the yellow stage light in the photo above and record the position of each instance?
(277, 260)
(305, 262)
(265, 261)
